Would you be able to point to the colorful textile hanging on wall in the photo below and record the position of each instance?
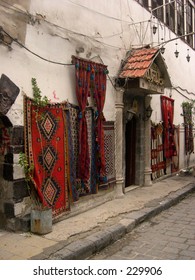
(157, 160)
(175, 159)
(46, 145)
(188, 128)
(98, 80)
(109, 149)
(90, 80)
(92, 182)
(80, 187)
(71, 130)
(82, 75)
(167, 108)
(86, 187)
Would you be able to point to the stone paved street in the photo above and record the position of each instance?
(169, 236)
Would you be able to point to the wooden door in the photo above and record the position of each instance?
(130, 155)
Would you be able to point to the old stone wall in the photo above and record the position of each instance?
(14, 17)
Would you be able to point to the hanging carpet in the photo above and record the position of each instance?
(46, 146)
(79, 186)
(157, 159)
(167, 109)
(109, 151)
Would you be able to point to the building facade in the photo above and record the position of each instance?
(120, 73)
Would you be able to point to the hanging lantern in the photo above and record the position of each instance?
(188, 56)
(154, 28)
(176, 52)
(162, 49)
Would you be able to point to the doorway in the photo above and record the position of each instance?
(130, 155)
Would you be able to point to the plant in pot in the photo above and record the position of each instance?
(41, 216)
(41, 212)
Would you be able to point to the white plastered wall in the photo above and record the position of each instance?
(103, 31)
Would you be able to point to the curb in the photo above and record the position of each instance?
(83, 249)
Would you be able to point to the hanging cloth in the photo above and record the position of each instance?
(167, 108)
(98, 77)
(82, 74)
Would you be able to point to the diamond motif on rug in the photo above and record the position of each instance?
(51, 191)
(48, 126)
(48, 158)
(47, 148)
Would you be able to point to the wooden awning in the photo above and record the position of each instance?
(145, 69)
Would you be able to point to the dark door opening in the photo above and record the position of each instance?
(130, 155)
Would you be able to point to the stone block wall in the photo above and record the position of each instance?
(14, 196)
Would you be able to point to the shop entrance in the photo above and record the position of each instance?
(130, 155)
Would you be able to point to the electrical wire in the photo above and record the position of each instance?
(9, 6)
(188, 92)
(181, 93)
(83, 35)
(35, 54)
(91, 10)
(50, 61)
(13, 8)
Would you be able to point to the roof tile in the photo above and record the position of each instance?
(138, 63)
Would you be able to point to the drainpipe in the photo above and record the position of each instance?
(147, 169)
(119, 106)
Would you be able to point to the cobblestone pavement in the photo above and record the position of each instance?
(169, 236)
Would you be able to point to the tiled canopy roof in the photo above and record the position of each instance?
(138, 63)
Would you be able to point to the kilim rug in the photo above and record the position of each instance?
(89, 187)
(93, 188)
(157, 159)
(78, 187)
(109, 148)
(46, 145)
(71, 130)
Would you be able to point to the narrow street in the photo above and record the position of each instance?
(169, 236)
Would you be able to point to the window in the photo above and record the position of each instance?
(180, 18)
(143, 3)
(178, 15)
(157, 7)
(189, 23)
(170, 15)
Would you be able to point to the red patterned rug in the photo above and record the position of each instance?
(46, 145)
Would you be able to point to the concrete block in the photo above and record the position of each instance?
(117, 231)
(9, 209)
(139, 216)
(128, 223)
(17, 135)
(100, 239)
(63, 254)
(20, 190)
(18, 172)
(81, 249)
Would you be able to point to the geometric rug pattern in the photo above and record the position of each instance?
(46, 146)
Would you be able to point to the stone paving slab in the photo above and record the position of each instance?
(119, 230)
(169, 235)
(80, 236)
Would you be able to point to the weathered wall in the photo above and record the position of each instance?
(102, 31)
(14, 17)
